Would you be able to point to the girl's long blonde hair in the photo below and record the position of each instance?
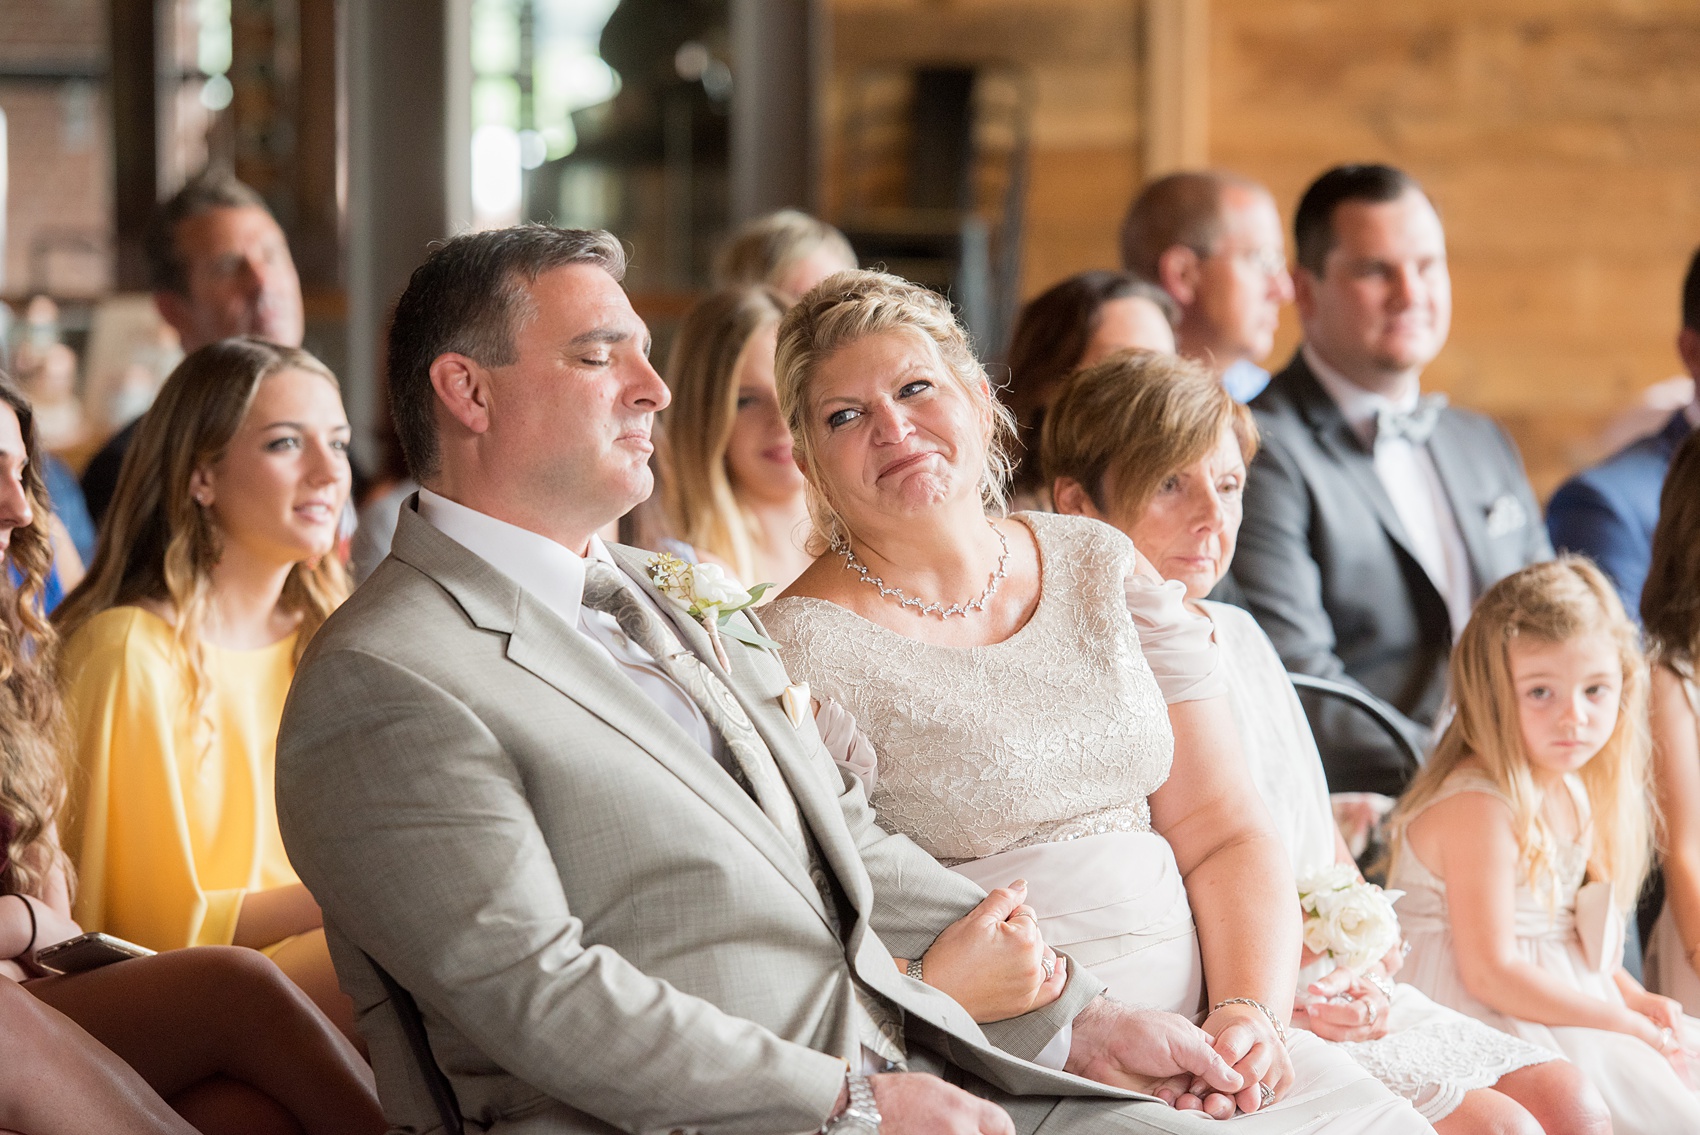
(32, 777)
(1550, 602)
(156, 543)
(702, 373)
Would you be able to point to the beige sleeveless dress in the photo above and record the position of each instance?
(1034, 758)
(1643, 1092)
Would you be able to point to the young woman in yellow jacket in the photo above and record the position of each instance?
(214, 568)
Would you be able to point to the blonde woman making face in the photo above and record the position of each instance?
(733, 489)
(214, 569)
(1038, 704)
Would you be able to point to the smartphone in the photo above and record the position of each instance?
(86, 952)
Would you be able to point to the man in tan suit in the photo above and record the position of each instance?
(627, 888)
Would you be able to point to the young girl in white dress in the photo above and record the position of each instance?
(1527, 833)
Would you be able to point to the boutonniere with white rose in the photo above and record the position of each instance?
(711, 597)
(1346, 918)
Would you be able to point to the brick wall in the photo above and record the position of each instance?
(58, 212)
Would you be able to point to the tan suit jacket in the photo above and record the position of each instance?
(600, 926)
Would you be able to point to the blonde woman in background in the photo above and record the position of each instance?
(214, 570)
(788, 251)
(733, 491)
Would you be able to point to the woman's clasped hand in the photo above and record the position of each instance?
(994, 962)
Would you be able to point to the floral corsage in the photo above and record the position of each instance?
(1349, 920)
(711, 597)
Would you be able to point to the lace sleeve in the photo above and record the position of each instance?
(848, 746)
(1179, 644)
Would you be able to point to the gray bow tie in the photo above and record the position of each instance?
(1414, 425)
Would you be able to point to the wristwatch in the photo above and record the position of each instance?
(861, 1116)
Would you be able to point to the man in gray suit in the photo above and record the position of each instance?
(1374, 514)
(624, 882)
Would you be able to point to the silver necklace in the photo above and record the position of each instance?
(851, 562)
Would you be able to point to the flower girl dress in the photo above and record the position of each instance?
(1644, 1093)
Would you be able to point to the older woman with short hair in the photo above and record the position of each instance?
(1003, 671)
(1155, 446)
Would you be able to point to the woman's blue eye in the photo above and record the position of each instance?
(282, 443)
(839, 418)
(910, 389)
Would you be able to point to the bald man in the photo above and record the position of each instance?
(1212, 240)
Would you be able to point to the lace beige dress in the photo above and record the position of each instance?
(1035, 757)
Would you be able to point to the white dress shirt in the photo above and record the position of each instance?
(1412, 482)
(554, 577)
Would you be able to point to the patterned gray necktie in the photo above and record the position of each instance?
(606, 590)
(1415, 425)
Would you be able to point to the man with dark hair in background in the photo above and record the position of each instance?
(1608, 512)
(1375, 515)
(219, 266)
(1212, 241)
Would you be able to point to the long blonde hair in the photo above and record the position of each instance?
(702, 372)
(846, 308)
(32, 776)
(1550, 602)
(156, 543)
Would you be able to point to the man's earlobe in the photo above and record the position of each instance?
(1177, 273)
(1688, 347)
(176, 312)
(463, 389)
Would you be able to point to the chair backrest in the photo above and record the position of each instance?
(1370, 707)
(413, 1027)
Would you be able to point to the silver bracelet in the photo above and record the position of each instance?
(1382, 983)
(1280, 1032)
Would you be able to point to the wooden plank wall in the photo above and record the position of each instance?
(1561, 139)
(1081, 56)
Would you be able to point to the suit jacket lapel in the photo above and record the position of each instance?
(819, 809)
(1336, 438)
(540, 643)
(1452, 462)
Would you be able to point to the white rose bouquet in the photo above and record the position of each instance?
(711, 597)
(1346, 918)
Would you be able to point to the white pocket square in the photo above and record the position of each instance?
(1506, 516)
(796, 701)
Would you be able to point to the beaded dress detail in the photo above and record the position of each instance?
(973, 758)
